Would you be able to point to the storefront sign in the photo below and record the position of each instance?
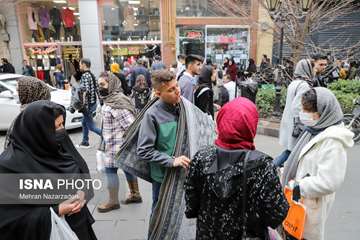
(194, 34)
(120, 52)
(134, 51)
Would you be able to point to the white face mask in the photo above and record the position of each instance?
(307, 119)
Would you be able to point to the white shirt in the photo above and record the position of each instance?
(231, 88)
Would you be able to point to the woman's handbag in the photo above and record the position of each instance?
(60, 229)
(295, 220)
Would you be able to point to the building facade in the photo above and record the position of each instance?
(49, 32)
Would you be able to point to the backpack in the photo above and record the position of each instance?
(79, 95)
(141, 98)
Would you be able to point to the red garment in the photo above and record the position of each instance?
(232, 71)
(237, 124)
(40, 74)
(68, 18)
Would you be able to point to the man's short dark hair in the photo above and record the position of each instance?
(192, 58)
(161, 76)
(181, 56)
(309, 101)
(317, 57)
(86, 61)
(157, 58)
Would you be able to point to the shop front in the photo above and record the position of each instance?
(130, 30)
(215, 42)
(217, 29)
(50, 35)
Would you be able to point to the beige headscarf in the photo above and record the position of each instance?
(116, 99)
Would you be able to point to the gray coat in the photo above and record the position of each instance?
(304, 78)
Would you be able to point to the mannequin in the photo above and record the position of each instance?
(32, 22)
(44, 20)
(129, 18)
(69, 22)
(4, 38)
(55, 16)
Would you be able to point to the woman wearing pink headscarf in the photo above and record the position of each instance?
(233, 189)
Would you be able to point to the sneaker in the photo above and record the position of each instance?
(83, 145)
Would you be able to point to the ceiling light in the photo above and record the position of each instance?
(59, 1)
(72, 8)
(76, 14)
(134, 2)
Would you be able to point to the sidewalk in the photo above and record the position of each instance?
(269, 127)
(130, 222)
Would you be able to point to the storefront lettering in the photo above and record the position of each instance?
(194, 34)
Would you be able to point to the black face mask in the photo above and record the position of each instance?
(60, 135)
(103, 92)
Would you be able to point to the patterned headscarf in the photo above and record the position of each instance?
(31, 89)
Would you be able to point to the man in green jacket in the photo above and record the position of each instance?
(157, 135)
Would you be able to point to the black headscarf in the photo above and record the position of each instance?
(33, 147)
(205, 76)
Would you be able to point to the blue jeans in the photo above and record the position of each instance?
(113, 179)
(280, 160)
(155, 194)
(88, 123)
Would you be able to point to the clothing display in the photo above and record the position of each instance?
(4, 38)
(68, 18)
(32, 18)
(55, 16)
(44, 17)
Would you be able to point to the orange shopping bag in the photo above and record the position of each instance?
(295, 220)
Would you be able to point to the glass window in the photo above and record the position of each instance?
(192, 40)
(48, 21)
(223, 41)
(213, 8)
(131, 20)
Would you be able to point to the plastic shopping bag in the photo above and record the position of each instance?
(274, 235)
(60, 229)
(100, 161)
(295, 220)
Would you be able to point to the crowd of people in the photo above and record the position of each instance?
(199, 168)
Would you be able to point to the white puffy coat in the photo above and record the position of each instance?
(321, 171)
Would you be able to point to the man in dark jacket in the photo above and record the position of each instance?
(27, 69)
(158, 64)
(6, 67)
(89, 84)
(139, 69)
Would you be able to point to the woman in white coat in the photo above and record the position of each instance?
(317, 163)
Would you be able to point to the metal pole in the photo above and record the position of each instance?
(281, 44)
(278, 76)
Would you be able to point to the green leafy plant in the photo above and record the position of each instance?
(345, 91)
